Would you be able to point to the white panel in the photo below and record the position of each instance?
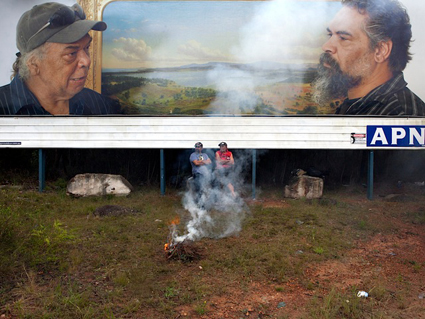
(309, 132)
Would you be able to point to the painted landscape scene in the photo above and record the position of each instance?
(214, 57)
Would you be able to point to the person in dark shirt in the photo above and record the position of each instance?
(363, 60)
(201, 173)
(52, 65)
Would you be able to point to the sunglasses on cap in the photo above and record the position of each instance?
(62, 17)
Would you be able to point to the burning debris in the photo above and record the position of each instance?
(184, 251)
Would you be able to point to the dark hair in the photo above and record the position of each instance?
(387, 20)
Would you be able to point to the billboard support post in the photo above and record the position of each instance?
(254, 171)
(41, 170)
(370, 177)
(162, 171)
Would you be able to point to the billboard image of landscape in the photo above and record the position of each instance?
(214, 57)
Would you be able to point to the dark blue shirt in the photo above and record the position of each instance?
(390, 98)
(16, 99)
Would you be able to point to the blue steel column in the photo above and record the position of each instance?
(162, 171)
(41, 170)
(370, 177)
(254, 171)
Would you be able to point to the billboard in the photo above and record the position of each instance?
(238, 71)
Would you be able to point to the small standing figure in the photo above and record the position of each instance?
(200, 168)
(224, 166)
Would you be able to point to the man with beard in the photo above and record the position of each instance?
(363, 60)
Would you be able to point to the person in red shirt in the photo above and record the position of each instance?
(224, 166)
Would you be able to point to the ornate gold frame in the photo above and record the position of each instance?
(94, 11)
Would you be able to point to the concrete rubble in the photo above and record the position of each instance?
(83, 185)
(304, 186)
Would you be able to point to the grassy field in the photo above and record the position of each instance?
(165, 97)
(282, 98)
(292, 258)
(171, 99)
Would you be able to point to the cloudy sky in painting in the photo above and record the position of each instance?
(164, 34)
(170, 33)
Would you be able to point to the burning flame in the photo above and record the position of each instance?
(175, 221)
(172, 226)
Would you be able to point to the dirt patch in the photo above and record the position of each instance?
(390, 267)
(113, 210)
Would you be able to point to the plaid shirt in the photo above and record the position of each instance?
(390, 98)
(16, 99)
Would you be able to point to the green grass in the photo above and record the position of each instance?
(58, 261)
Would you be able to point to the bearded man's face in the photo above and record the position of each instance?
(348, 60)
(331, 83)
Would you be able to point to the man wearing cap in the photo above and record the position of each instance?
(200, 167)
(224, 165)
(52, 65)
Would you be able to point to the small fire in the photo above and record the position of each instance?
(182, 250)
(175, 221)
(173, 225)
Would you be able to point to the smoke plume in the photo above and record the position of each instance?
(214, 212)
(282, 36)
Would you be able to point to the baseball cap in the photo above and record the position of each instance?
(53, 22)
(199, 144)
(222, 143)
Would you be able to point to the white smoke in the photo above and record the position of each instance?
(214, 212)
(282, 35)
(284, 31)
(236, 90)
